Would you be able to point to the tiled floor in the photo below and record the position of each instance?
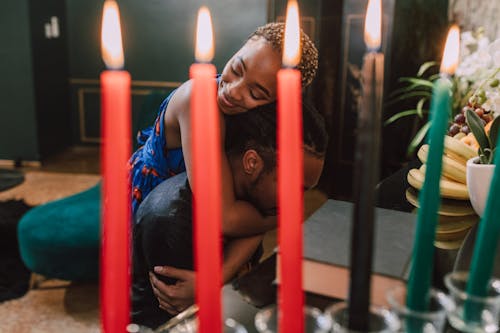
(55, 305)
(76, 159)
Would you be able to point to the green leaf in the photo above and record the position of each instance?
(425, 66)
(476, 126)
(402, 90)
(400, 115)
(417, 82)
(404, 96)
(434, 77)
(483, 159)
(420, 106)
(494, 132)
(417, 139)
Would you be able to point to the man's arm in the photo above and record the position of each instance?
(177, 297)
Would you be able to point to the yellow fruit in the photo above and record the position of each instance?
(452, 169)
(454, 147)
(448, 189)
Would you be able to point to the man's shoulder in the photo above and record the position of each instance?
(170, 194)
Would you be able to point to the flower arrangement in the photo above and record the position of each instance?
(476, 87)
(479, 70)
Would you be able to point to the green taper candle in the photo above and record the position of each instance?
(483, 257)
(421, 270)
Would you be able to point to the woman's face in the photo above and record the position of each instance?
(249, 78)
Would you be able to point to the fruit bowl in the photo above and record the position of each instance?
(456, 215)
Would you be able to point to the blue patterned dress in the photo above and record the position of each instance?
(152, 163)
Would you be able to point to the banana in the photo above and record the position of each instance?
(448, 189)
(456, 147)
(455, 228)
(449, 245)
(451, 169)
(454, 221)
(450, 236)
(449, 208)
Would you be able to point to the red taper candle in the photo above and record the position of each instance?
(290, 180)
(115, 152)
(206, 179)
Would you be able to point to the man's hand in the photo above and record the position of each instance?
(177, 297)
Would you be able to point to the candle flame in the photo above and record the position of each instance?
(111, 36)
(373, 24)
(451, 51)
(291, 53)
(204, 51)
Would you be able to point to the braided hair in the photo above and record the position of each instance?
(274, 33)
(256, 130)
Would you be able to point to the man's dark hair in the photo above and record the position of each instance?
(256, 129)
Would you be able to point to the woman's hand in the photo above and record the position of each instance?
(177, 297)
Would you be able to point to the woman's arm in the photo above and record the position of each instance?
(240, 218)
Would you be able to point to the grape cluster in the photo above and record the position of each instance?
(459, 125)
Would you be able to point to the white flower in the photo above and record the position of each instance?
(495, 101)
(482, 42)
(494, 51)
(496, 59)
(479, 66)
(484, 57)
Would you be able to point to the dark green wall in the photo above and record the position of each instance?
(158, 39)
(17, 106)
(36, 118)
(50, 74)
(158, 36)
(34, 107)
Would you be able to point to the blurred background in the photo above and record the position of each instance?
(50, 64)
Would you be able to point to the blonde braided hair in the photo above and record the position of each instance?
(274, 33)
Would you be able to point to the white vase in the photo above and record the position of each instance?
(478, 183)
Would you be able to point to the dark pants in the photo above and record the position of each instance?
(162, 237)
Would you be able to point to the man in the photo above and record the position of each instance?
(163, 233)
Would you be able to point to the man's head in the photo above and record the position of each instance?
(250, 144)
(249, 77)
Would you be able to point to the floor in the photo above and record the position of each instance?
(55, 305)
(63, 306)
(77, 159)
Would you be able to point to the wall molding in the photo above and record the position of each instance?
(81, 92)
(135, 83)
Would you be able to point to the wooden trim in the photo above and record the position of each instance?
(24, 163)
(135, 83)
(81, 110)
(81, 114)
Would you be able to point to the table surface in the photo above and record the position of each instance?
(235, 306)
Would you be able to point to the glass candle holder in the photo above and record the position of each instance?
(134, 328)
(431, 321)
(381, 320)
(314, 320)
(488, 307)
(191, 326)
